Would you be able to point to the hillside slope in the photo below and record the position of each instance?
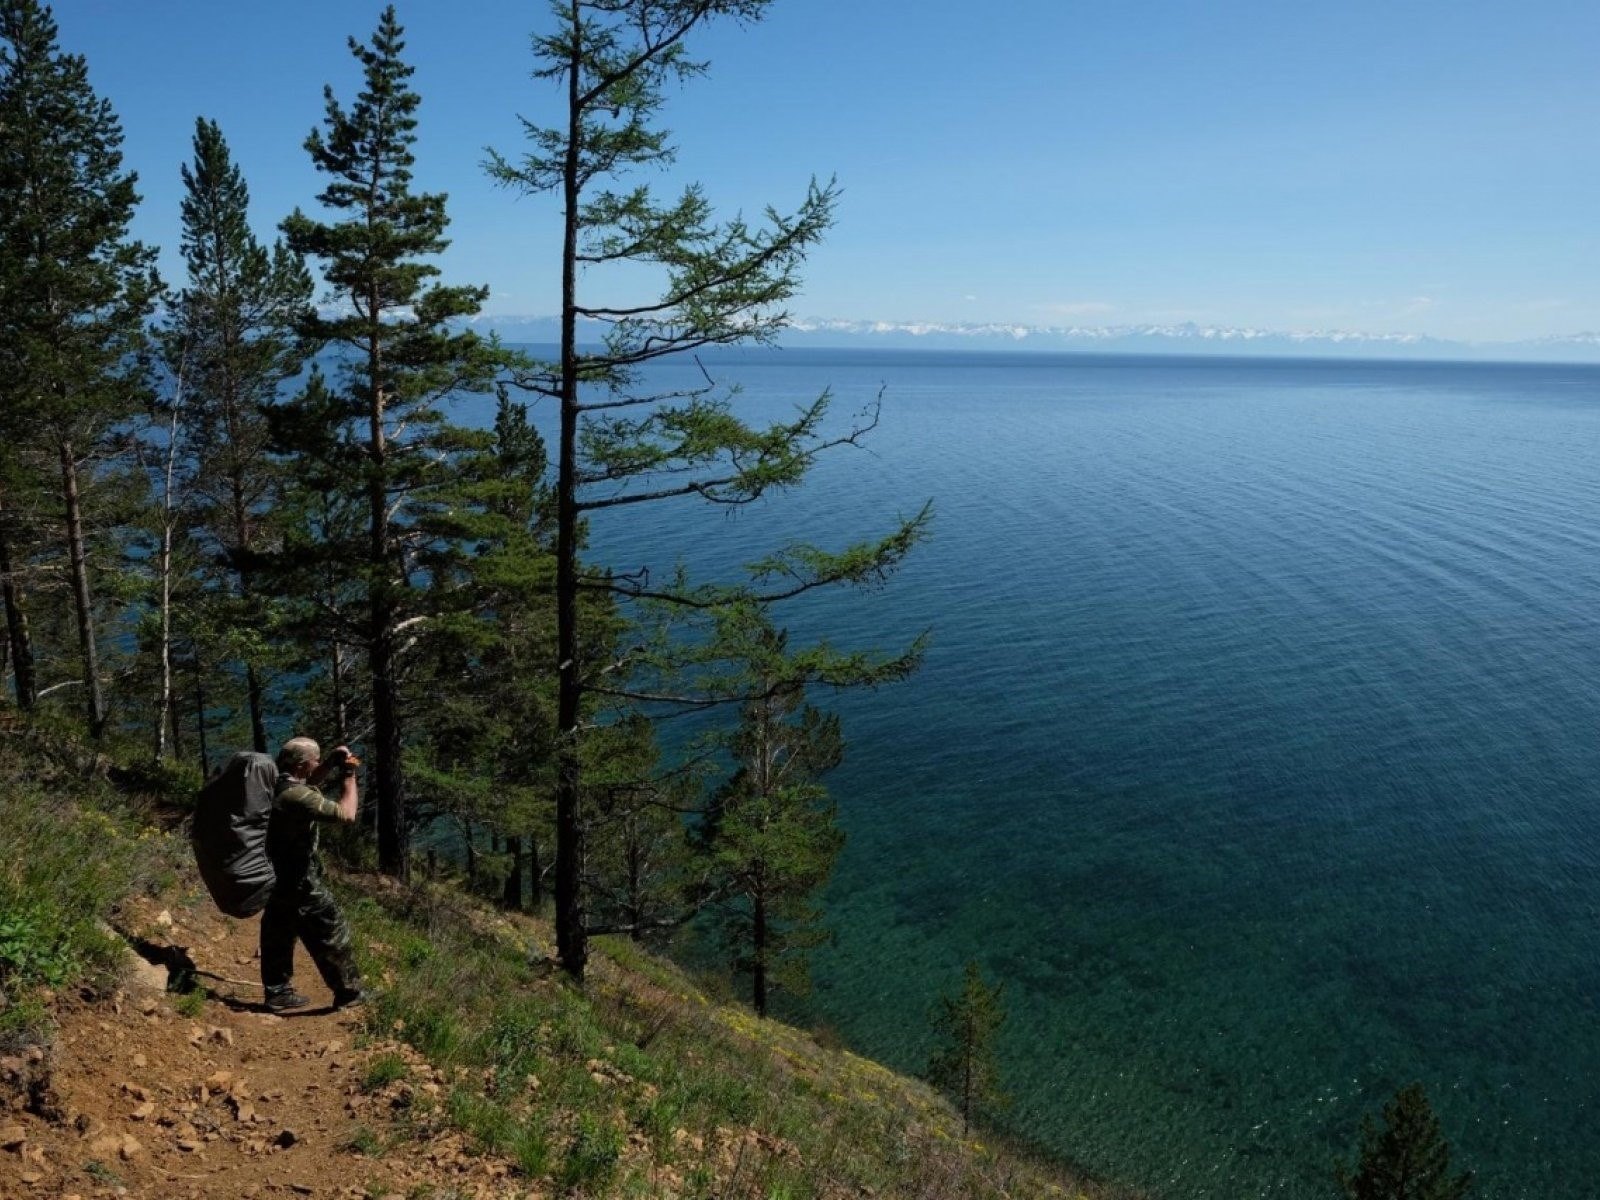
(476, 1071)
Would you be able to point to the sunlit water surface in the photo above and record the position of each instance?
(1255, 748)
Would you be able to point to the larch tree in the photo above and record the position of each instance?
(400, 359)
(621, 443)
(771, 830)
(963, 1064)
(75, 288)
(1408, 1159)
(230, 346)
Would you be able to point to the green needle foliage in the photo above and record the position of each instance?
(230, 345)
(482, 758)
(771, 828)
(964, 1064)
(378, 432)
(75, 290)
(1408, 1159)
(621, 443)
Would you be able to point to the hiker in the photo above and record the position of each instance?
(301, 905)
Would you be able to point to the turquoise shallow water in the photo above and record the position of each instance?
(1255, 751)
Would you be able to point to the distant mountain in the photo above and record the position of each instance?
(1186, 338)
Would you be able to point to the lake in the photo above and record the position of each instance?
(1254, 751)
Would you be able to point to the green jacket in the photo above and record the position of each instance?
(297, 810)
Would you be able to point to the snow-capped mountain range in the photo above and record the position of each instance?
(1186, 338)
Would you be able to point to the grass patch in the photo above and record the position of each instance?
(363, 1140)
(72, 852)
(382, 1071)
(593, 1156)
(191, 1003)
(530, 1150)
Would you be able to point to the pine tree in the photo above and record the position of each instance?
(483, 755)
(230, 343)
(620, 444)
(773, 834)
(964, 1063)
(1408, 1159)
(74, 288)
(400, 360)
(642, 875)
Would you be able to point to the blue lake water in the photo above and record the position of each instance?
(1255, 748)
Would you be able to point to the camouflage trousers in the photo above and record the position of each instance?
(306, 910)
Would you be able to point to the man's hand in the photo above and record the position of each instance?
(337, 766)
(349, 799)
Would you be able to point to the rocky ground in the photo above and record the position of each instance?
(149, 1094)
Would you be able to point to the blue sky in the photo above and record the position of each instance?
(1384, 167)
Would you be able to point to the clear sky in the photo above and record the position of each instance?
(1402, 166)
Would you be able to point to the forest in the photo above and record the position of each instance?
(295, 491)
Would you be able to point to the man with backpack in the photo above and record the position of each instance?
(300, 905)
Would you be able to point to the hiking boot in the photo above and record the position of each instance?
(285, 1000)
(349, 999)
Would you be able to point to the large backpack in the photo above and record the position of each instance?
(230, 834)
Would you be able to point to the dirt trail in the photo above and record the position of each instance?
(143, 1101)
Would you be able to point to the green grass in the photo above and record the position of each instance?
(593, 1156)
(72, 851)
(585, 1090)
(382, 1071)
(362, 1140)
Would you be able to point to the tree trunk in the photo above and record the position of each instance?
(512, 898)
(200, 718)
(636, 902)
(571, 937)
(17, 636)
(82, 603)
(258, 724)
(388, 778)
(388, 771)
(175, 720)
(759, 968)
(164, 701)
(341, 713)
(535, 875)
(164, 567)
